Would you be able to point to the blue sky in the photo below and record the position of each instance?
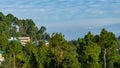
(74, 18)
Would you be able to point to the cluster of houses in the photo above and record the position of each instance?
(23, 40)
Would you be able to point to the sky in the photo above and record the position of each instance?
(73, 18)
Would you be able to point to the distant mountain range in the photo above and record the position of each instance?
(80, 32)
(115, 28)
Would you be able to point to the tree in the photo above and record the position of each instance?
(14, 48)
(30, 52)
(42, 56)
(42, 35)
(2, 16)
(88, 52)
(61, 53)
(3, 42)
(10, 18)
(108, 43)
(42, 29)
(4, 28)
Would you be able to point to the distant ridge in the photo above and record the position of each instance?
(114, 28)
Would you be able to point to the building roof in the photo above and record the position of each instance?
(1, 52)
(24, 37)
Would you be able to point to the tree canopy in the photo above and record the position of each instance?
(54, 51)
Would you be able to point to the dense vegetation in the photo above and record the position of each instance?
(92, 51)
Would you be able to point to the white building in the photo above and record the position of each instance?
(24, 40)
(12, 39)
(1, 58)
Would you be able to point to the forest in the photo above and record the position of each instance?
(92, 51)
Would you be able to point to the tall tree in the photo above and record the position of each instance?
(3, 42)
(108, 43)
(42, 35)
(88, 52)
(30, 51)
(62, 54)
(14, 48)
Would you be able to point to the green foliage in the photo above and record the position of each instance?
(30, 51)
(108, 43)
(61, 53)
(55, 52)
(88, 52)
(3, 42)
(42, 35)
(12, 55)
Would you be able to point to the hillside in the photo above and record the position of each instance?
(91, 51)
(14, 27)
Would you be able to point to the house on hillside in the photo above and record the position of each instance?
(24, 40)
(46, 43)
(12, 39)
(1, 57)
